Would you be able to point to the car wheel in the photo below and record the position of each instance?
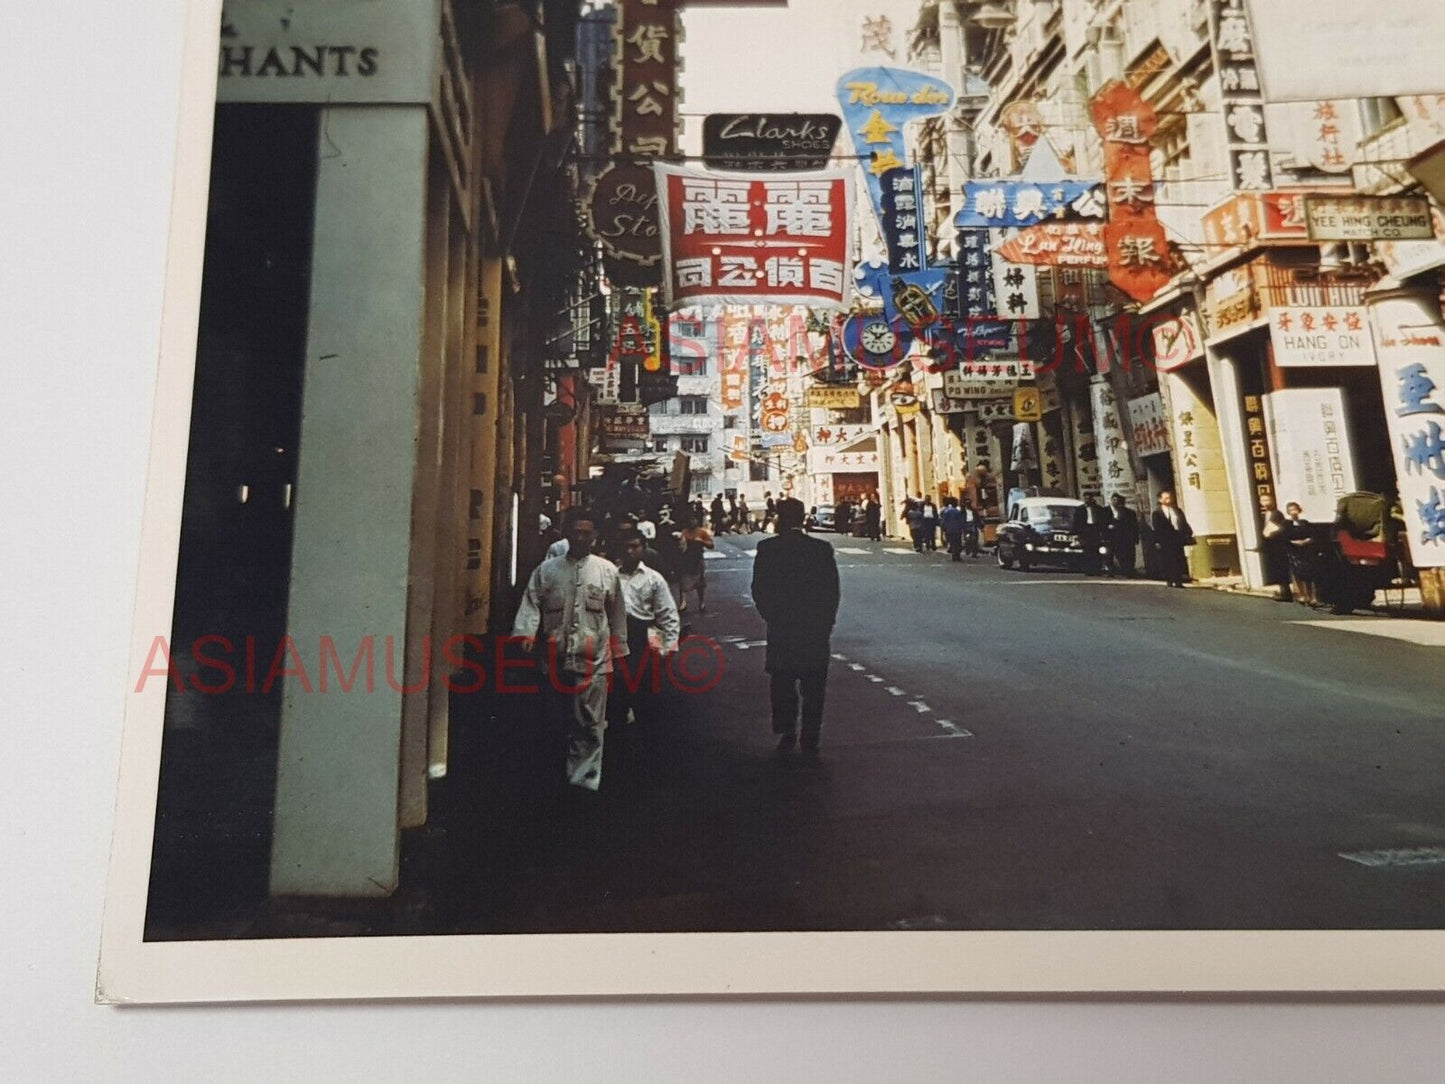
(1003, 562)
(1024, 565)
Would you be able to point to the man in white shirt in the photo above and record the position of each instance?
(653, 629)
(575, 604)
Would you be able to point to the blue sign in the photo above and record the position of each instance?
(990, 204)
(904, 223)
(877, 104)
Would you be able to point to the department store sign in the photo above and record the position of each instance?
(374, 51)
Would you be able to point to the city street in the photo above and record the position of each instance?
(1007, 751)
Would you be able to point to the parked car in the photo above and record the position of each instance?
(1040, 531)
(823, 517)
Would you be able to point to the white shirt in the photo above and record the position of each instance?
(649, 600)
(646, 529)
(557, 549)
(578, 606)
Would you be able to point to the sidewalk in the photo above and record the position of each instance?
(1395, 602)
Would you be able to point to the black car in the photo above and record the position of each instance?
(823, 517)
(1040, 531)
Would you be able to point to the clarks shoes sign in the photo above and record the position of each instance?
(780, 141)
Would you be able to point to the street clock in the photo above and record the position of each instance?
(878, 338)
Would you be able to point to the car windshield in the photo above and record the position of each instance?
(1057, 517)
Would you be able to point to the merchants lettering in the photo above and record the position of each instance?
(298, 61)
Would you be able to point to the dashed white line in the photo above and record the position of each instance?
(919, 706)
(856, 666)
(894, 690)
(953, 731)
(841, 658)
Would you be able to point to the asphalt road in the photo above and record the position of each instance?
(1007, 750)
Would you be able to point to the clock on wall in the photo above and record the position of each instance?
(877, 337)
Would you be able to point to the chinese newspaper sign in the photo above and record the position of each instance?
(905, 227)
(1313, 463)
(1339, 335)
(743, 239)
(1149, 425)
(988, 204)
(1138, 252)
(1059, 244)
(1410, 337)
(878, 104)
(1232, 40)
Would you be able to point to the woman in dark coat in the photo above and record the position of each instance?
(1275, 548)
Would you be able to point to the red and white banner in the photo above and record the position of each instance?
(745, 239)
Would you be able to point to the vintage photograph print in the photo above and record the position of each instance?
(825, 496)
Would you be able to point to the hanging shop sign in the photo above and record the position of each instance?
(742, 239)
(1410, 338)
(645, 59)
(1231, 303)
(1369, 218)
(1330, 134)
(1015, 288)
(976, 308)
(877, 105)
(1257, 443)
(1024, 122)
(903, 398)
(1321, 336)
(1231, 38)
(622, 217)
(838, 434)
(838, 398)
(1405, 259)
(628, 421)
(1116, 473)
(1059, 244)
(985, 380)
(834, 461)
(769, 141)
(1139, 261)
(1028, 407)
(1000, 204)
(1149, 425)
(1310, 449)
(943, 403)
(775, 419)
(995, 410)
(905, 227)
(1202, 485)
(1250, 218)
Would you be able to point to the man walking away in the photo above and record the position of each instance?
(692, 575)
(718, 512)
(653, 630)
(770, 511)
(795, 588)
(745, 515)
(1122, 536)
(1171, 534)
(955, 522)
(1091, 522)
(913, 515)
(930, 524)
(574, 605)
(873, 518)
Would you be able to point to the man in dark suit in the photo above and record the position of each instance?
(1091, 522)
(1122, 536)
(795, 587)
(1171, 534)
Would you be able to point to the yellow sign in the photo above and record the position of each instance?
(834, 398)
(1027, 405)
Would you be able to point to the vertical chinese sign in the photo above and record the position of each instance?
(1261, 472)
(904, 227)
(1410, 337)
(746, 240)
(1232, 40)
(1138, 251)
(622, 210)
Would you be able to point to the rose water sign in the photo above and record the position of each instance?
(746, 239)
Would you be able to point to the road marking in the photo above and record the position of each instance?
(875, 679)
(1078, 583)
(1420, 633)
(750, 644)
(905, 552)
(731, 639)
(713, 555)
(856, 666)
(952, 730)
(919, 706)
(840, 658)
(1403, 856)
(894, 690)
(851, 550)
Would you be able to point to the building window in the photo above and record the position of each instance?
(692, 404)
(695, 445)
(688, 361)
(659, 444)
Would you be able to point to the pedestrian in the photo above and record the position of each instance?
(930, 523)
(1275, 548)
(955, 522)
(718, 512)
(972, 529)
(653, 631)
(734, 520)
(770, 511)
(694, 541)
(873, 518)
(1091, 523)
(1302, 538)
(574, 604)
(1121, 536)
(913, 516)
(1171, 534)
(796, 591)
(745, 515)
(843, 517)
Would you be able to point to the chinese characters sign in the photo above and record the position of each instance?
(1313, 463)
(1023, 203)
(1147, 421)
(1059, 244)
(904, 224)
(785, 141)
(1338, 335)
(1232, 39)
(1138, 254)
(1410, 337)
(744, 239)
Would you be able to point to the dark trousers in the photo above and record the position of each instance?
(1121, 557)
(1173, 565)
(955, 543)
(1093, 561)
(785, 688)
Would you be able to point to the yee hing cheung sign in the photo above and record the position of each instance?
(745, 239)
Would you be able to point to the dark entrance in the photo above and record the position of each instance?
(218, 760)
